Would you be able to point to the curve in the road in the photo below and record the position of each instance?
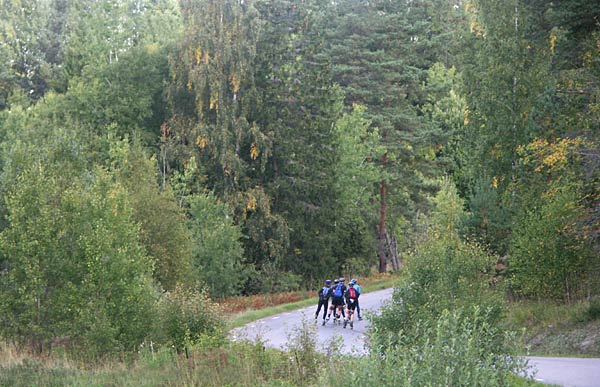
(274, 331)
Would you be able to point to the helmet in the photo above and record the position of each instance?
(353, 281)
(327, 282)
(342, 279)
(335, 281)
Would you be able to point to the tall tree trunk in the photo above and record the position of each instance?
(382, 229)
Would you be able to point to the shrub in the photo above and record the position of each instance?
(75, 267)
(459, 348)
(217, 250)
(442, 325)
(442, 274)
(188, 316)
(302, 347)
(549, 257)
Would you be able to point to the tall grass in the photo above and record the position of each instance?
(206, 363)
(449, 354)
(537, 315)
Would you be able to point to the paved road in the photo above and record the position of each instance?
(569, 372)
(275, 330)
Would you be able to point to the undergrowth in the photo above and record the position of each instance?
(556, 329)
(241, 364)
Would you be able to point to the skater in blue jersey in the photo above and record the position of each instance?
(324, 296)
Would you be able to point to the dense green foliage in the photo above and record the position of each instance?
(442, 327)
(158, 153)
(443, 273)
(529, 161)
(459, 348)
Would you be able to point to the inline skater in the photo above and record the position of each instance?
(359, 290)
(344, 288)
(337, 301)
(324, 296)
(351, 297)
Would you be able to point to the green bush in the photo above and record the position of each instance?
(549, 258)
(75, 268)
(441, 327)
(217, 250)
(443, 273)
(188, 317)
(459, 348)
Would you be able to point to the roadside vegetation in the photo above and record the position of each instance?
(443, 329)
(557, 329)
(172, 168)
(244, 364)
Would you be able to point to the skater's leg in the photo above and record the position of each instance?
(326, 304)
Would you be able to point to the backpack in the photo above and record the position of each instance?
(338, 291)
(352, 293)
(325, 293)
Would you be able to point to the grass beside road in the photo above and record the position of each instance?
(557, 329)
(303, 299)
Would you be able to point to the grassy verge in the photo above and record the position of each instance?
(309, 298)
(235, 364)
(553, 329)
(253, 315)
(239, 364)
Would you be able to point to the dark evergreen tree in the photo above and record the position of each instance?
(379, 51)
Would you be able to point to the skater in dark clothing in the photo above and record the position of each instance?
(324, 295)
(351, 297)
(337, 300)
(344, 287)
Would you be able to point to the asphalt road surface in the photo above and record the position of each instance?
(275, 331)
(571, 372)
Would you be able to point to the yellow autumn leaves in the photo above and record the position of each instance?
(551, 155)
(199, 57)
(202, 142)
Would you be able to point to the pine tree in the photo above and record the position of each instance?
(379, 51)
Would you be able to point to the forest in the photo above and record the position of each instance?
(157, 155)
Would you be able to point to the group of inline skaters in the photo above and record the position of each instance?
(344, 301)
